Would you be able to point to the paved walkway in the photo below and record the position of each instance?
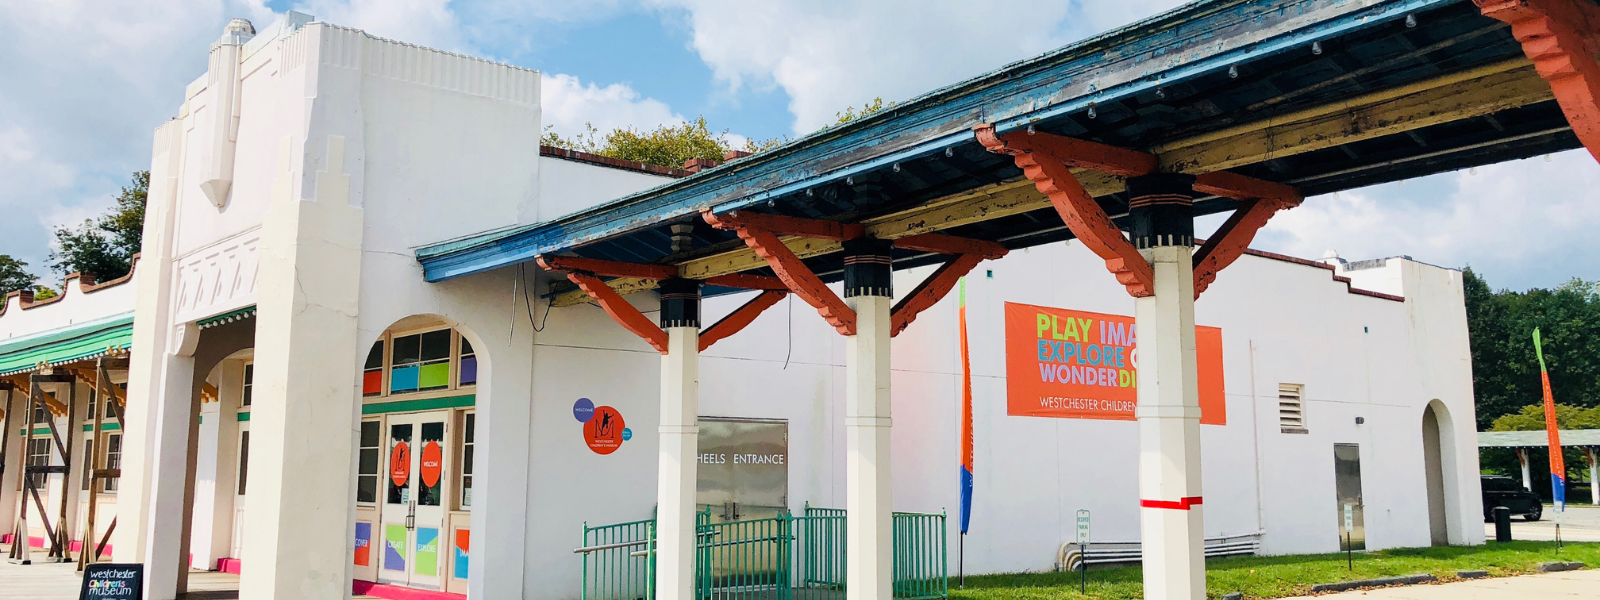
(1570, 584)
(61, 581)
(1581, 524)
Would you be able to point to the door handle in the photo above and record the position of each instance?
(411, 516)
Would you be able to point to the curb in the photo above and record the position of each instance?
(1472, 574)
(1379, 582)
(1552, 567)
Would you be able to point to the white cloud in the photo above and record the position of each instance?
(429, 23)
(1520, 224)
(829, 54)
(82, 86)
(569, 103)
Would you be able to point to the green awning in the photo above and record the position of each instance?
(79, 341)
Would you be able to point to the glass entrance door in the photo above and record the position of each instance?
(1347, 484)
(413, 503)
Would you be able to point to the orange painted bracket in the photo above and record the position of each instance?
(623, 313)
(608, 268)
(1261, 198)
(949, 244)
(1562, 38)
(931, 291)
(1044, 165)
(789, 268)
(782, 225)
(739, 318)
(748, 282)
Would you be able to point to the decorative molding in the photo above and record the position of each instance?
(218, 278)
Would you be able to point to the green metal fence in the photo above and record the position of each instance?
(618, 562)
(780, 558)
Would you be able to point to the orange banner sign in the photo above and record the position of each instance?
(1082, 365)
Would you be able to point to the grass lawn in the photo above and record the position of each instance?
(1279, 576)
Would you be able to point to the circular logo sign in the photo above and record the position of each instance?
(432, 463)
(627, 434)
(603, 433)
(400, 464)
(583, 410)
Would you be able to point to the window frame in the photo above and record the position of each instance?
(377, 473)
(464, 466)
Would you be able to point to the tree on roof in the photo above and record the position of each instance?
(104, 246)
(666, 145)
(14, 275)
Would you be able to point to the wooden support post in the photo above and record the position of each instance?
(89, 554)
(8, 488)
(1562, 38)
(62, 552)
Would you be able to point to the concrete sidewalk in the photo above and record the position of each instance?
(1569, 584)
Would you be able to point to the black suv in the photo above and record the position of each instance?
(1505, 491)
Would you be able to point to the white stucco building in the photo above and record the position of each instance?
(370, 427)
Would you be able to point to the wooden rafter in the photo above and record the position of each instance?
(1468, 94)
(607, 268)
(739, 318)
(794, 272)
(56, 407)
(1562, 38)
(1039, 157)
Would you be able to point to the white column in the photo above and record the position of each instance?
(675, 498)
(1527, 478)
(11, 471)
(1171, 519)
(869, 490)
(1594, 478)
(304, 407)
(212, 533)
(168, 464)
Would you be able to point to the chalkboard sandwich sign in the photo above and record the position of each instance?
(112, 580)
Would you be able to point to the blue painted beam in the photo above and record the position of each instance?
(1194, 40)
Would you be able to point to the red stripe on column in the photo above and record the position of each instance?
(1183, 504)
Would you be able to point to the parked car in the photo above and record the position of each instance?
(1505, 491)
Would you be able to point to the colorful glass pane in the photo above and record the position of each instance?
(434, 376)
(469, 370)
(403, 379)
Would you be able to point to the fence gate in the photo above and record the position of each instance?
(785, 557)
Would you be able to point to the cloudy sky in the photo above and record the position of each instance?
(84, 82)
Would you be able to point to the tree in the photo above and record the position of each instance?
(14, 275)
(666, 145)
(1505, 371)
(104, 246)
(850, 114)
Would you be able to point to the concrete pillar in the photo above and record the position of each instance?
(1171, 519)
(869, 493)
(303, 413)
(680, 430)
(168, 428)
(217, 466)
(1527, 478)
(149, 356)
(13, 401)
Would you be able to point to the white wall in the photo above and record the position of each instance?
(74, 306)
(567, 186)
(1282, 322)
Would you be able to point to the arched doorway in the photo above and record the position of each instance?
(1434, 453)
(415, 456)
